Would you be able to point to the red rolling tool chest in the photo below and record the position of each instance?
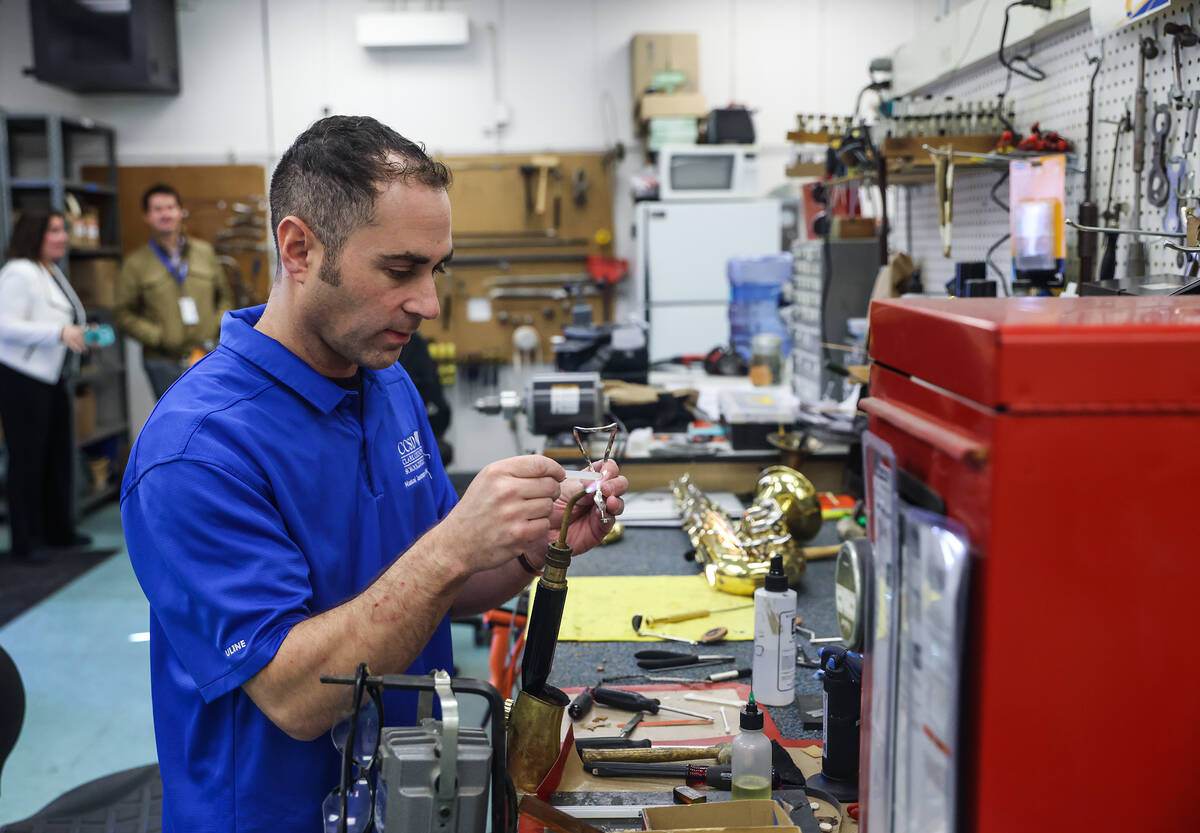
(1064, 436)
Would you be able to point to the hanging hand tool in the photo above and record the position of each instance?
(1157, 186)
(528, 177)
(657, 754)
(1147, 50)
(943, 176)
(1181, 35)
(618, 698)
(1112, 215)
(544, 165)
(675, 659)
(1177, 171)
(1089, 215)
(1177, 179)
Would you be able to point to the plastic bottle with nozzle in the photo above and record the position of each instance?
(750, 756)
(774, 666)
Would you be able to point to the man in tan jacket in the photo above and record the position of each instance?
(171, 293)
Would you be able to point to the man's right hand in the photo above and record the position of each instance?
(505, 511)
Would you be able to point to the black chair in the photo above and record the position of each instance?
(12, 708)
(124, 802)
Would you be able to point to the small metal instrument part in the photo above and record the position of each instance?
(579, 432)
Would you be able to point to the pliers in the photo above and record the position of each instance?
(677, 659)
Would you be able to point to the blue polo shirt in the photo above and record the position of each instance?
(260, 494)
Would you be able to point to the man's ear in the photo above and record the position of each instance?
(299, 249)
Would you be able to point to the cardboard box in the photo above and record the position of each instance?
(653, 53)
(656, 105)
(730, 816)
(845, 228)
(95, 281)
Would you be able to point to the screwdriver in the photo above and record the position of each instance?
(719, 777)
(719, 676)
(631, 701)
(581, 705)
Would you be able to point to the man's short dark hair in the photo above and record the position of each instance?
(331, 174)
(28, 233)
(160, 188)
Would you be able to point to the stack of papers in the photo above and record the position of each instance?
(657, 509)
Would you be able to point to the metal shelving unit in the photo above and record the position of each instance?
(42, 156)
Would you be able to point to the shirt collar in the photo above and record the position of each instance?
(239, 335)
(183, 247)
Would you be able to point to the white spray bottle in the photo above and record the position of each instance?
(774, 666)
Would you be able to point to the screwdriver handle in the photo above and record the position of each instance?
(610, 743)
(674, 661)
(738, 674)
(676, 617)
(630, 701)
(581, 705)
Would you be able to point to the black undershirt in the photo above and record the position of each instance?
(354, 383)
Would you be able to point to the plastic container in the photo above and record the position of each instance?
(750, 415)
(766, 359)
(755, 288)
(774, 667)
(750, 756)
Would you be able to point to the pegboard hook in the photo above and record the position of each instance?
(1138, 231)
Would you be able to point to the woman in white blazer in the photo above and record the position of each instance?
(41, 335)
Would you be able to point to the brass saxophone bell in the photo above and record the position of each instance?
(795, 496)
(737, 554)
(534, 736)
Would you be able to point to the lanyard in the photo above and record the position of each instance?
(179, 274)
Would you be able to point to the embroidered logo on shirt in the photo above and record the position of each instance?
(413, 458)
(235, 647)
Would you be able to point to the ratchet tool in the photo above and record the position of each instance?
(631, 701)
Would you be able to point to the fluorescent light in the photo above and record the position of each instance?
(143, 636)
(391, 29)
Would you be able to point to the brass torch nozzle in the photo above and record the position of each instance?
(566, 521)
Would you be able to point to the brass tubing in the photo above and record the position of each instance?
(566, 521)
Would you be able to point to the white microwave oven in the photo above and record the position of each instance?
(707, 172)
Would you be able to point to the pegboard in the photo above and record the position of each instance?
(1058, 103)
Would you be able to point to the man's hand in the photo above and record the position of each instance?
(586, 529)
(506, 511)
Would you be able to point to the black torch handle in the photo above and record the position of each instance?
(541, 637)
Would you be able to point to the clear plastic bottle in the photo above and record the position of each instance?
(750, 756)
(774, 665)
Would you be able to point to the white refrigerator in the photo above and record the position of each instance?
(682, 249)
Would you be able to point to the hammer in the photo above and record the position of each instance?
(657, 754)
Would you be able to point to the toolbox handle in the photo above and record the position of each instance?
(947, 441)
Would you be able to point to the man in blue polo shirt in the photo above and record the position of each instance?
(285, 507)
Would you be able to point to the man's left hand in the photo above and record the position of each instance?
(586, 529)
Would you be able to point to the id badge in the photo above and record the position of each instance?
(188, 311)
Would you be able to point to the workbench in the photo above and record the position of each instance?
(655, 552)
